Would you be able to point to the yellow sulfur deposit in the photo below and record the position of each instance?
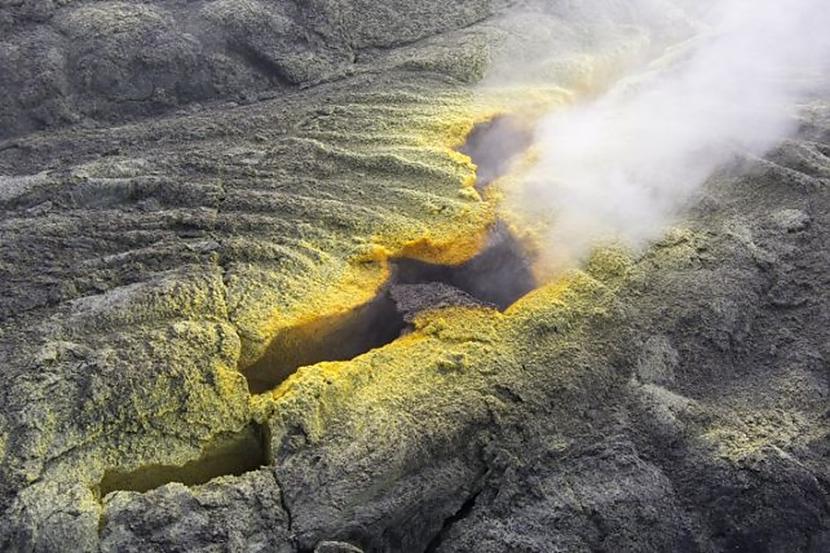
(449, 228)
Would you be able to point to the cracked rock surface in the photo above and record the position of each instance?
(184, 185)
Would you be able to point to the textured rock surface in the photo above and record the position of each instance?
(61, 62)
(673, 401)
(243, 514)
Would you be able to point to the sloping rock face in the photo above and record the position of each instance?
(64, 62)
(674, 400)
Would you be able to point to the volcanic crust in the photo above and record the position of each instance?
(248, 297)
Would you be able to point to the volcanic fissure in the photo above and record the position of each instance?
(229, 454)
(496, 277)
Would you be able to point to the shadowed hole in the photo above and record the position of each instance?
(336, 337)
(233, 454)
(496, 277)
(499, 275)
(494, 145)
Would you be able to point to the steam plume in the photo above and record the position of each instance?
(623, 166)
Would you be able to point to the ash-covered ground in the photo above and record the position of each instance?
(247, 295)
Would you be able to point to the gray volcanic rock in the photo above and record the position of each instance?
(111, 61)
(244, 516)
(336, 547)
(603, 498)
(412, 299)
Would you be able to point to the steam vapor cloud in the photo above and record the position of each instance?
(622, 167)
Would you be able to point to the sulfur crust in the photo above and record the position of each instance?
(260, 305)
(445, 342)
(442, 240)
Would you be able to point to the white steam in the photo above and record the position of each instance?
(623, 166)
